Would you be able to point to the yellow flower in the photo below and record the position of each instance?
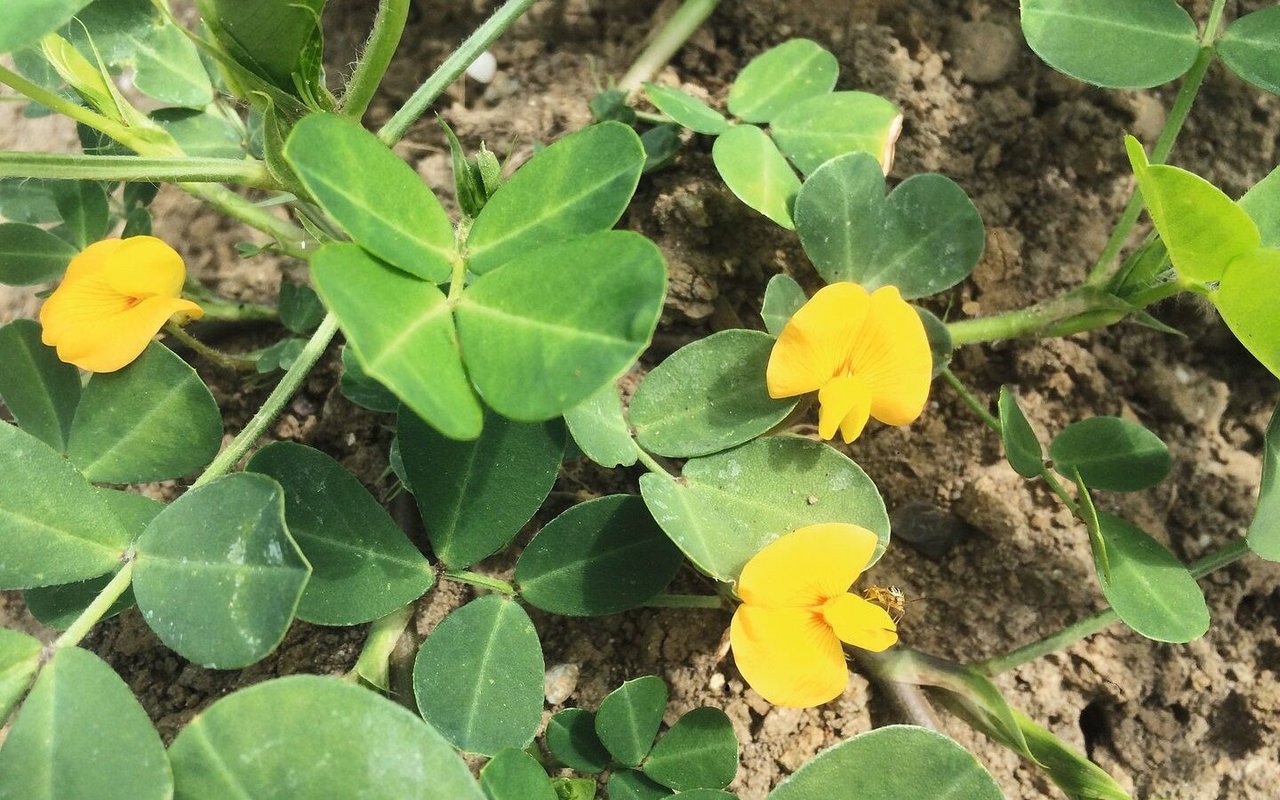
(797, 609)
(865, 354)
(115, 297)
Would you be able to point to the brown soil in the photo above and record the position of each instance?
(1041, 157)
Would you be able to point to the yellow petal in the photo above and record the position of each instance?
(844, 402)
(807, 567)
(144, 266)
(860, 623)
(892, 355)
(91, 259)
(815, 342)
(115, 341)
(790, 656)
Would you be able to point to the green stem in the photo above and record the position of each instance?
(275, 401)
(476, 579)
(1039, 318)
(1157, 293)
(246, 172)
(211, 354)
(388, 27)
(452, 69)
(380, 643)
(686, 601)
(1105, 268)
(664, 44)
(652, 464)
(221, 309)
(61, 105)
(291, 239)
(1228, 554)
(98, 608)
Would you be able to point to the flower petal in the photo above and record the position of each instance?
(144, 266)
(789, 655)
(112, 342)
(807, 567)
(844, 403)
(91, 260)
(861, 623)
(815, 342)
(892, 355)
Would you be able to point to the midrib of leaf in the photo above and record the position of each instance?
(6, 514)
(1111, 22)
(541, 324)
(130, 435)
(782, 85)
(482, 669)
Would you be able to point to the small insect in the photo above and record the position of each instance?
(890, 598)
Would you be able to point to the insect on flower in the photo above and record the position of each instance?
(890, 598)
(865, 354)
(115, 296)
(797, 611)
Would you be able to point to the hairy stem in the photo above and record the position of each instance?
(292, 240)
(452, 69)
(388, 27)
(284, 390)
(476, 579)
(1222, 557)
(664, 44)
(211, 354)
(67, 108)
(97, 609)
(245, 172)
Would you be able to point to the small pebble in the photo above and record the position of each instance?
(560, 682)
(484, 68)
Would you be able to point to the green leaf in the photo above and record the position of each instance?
(629, 718)
(579, 185)
(351, 173)
(783, 297)
(600, 557)
(363, 390)
(686, 110)
(1250, 46)
(155, 419)
(924, 765)
(218, 577)
(26, 21)
(478, 677)
(81, 735)
(781, 77)
(19, 661)
(515, 775)
(1111, 453)
(756, 171)
(699, 752)
(661, 143)
(362, 565)
(401, 331)
(57, 607)
(708, 396)
(305, 736)
(820, 128)
(729, 505)
(277, 40)
(600, 429)
(574, 788)
(707, 794)
(83, 208)
(1120, 44)
(475, 496)
(1074, 773)
(30, 255)
(40, 390)
(1021, 445)
(550, 328)
(54, 526)
(1202, 228)
(1264, 530)
(571, 738)
(1151, 590)
(29, 200)
(201, 134)
(629, 784)
(1247, 297)
(1262, 203)
(167, 68)
(925, 237)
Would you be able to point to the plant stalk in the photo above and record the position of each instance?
(666, 42)
(245, 172)
(1222, 557)
(292, 240)
(388, 27)
(211, 354)
(452, 69)
(61, 105)
(270, 409)
(483, 581)
(375, 656)
(652, 464)
(97, 609)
